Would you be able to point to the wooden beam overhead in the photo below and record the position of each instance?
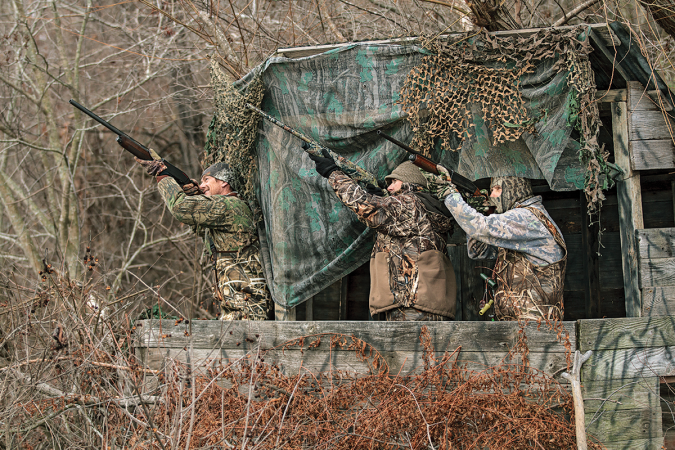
(605, 35)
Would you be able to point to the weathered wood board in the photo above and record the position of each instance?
(626, 334)
(477, 345)
(630, 206)
(656, 252)
(650, 125)
(651, 130)
(621, 379)
(658, 301)
(653, 154)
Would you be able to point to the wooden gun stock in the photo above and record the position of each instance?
(424, 164)
(135, 148)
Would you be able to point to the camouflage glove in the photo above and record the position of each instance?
(153, 166)
(439, 185)
(192, 188)
(480, 203)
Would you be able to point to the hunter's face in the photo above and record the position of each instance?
(395, 186)
(496, 191)
(214, 186)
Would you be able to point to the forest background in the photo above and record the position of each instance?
(81, 222)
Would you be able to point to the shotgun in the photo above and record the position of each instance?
(428, 165)
(137, 149)
(313, 147)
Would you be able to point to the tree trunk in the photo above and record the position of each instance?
(662, 11)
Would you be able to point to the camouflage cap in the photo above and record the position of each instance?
(220, 171)
(408, 173)
(514, 190)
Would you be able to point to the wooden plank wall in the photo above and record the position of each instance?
(657, 271)
(211, 342)
(620, 381)
(651, 131)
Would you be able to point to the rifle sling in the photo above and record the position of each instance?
(432, 204)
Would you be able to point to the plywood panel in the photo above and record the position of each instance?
(385, 336)
(653, 154)
(626, 333)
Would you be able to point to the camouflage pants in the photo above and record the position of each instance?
(409, 315)
(522, 306)
(243, 292)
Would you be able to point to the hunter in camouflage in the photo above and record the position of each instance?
(411, 275)
(530, 251)
(214, 209)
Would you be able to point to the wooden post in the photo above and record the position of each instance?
(309, 309)
(630, 208)
(342, 312)
(283, 313)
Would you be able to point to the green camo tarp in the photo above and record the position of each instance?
(340, 98)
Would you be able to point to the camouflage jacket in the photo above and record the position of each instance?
(517, 229)
(409, 263)
(531, 257)
(228, 223)
(228, 219)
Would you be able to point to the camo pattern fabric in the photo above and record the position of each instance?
(405, 229)
(440, 188)
(242, 285)
(531, 256)
(228, 223)
(526, 291)
(516, 229)
(514, 189)
(403, 314)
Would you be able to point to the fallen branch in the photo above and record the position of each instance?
(566, 18)
(93, 363)
(575, 381)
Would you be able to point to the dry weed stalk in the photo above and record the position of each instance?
(446, 405)
(70, 379)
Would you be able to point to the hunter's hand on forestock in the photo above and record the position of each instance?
(373, 190)
(324, 165)
(192, 188)
(152, 166)
(440, 185)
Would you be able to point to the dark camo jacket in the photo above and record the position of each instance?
(404, 228)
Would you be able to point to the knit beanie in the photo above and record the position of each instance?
(408, 173)
(219, 171)
(514, 190)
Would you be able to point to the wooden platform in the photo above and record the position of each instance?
(620, 381)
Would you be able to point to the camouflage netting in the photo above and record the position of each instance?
(506, 106)
(233, 132)
(478, 86)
